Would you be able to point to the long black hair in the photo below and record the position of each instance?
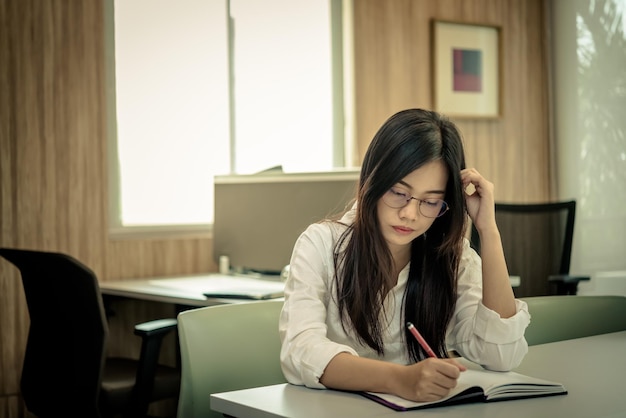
(364, 265)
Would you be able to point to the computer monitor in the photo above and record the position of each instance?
(258, 217)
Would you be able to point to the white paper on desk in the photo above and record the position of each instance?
(225, 286)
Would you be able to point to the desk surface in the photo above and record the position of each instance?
(178, 290)
(592, 370)
(183, 290)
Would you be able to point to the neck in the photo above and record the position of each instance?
(400, 260)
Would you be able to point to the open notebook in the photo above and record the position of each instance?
(476, 385)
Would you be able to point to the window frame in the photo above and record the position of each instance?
(343, 110)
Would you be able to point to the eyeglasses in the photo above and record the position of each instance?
(430, 208)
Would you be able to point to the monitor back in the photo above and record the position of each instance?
(259, 217)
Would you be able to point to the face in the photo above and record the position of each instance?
(400, 226)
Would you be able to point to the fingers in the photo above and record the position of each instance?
(444, 382)
(472, 181)
(461, 367)
(439, 389)
(438, 377)
(479, 198)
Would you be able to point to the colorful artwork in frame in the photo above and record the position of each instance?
(466, 70)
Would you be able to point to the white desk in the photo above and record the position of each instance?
(593, 370)
(177, 290)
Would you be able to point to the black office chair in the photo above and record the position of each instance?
(66, 372)
(537, 240)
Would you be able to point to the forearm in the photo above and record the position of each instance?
(427, 380)
(497, 291)
(348, 372)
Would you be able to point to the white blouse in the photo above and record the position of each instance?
(312, 334)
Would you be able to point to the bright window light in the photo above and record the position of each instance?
(172, 128)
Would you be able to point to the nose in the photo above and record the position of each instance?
(411, 210)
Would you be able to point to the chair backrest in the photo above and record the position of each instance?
(557, 318)
(67, 334)
(537, 241)
(227, 347)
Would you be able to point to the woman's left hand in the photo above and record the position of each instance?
(480, 201)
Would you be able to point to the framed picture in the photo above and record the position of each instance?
(466, 70)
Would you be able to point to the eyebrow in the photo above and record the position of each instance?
(407, 185)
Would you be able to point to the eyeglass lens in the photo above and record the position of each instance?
(431, 208)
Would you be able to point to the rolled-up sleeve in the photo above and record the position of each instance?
(479, 333)
(306, 349)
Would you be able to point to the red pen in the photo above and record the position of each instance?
(421, 340)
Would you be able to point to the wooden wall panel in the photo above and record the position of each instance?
(53, 172)
(158, 257)
(393, 71)
(53, 169)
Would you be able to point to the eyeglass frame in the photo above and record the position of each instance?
(442, 211)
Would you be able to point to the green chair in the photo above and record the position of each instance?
(557, 318)
(227, 347)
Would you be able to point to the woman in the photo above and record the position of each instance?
(399, 255)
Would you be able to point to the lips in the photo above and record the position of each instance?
(403, 230)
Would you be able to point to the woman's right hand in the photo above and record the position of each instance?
(428, 380)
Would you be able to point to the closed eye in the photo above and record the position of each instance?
(399, 193)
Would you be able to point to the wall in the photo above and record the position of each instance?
(53, 191)
(393, 71)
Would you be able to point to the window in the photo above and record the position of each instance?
(188, 101)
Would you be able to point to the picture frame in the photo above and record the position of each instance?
(466, 68)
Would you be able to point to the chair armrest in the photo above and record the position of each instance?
(566, 278)
(156, 327)
(566, 284)
(152, 334)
